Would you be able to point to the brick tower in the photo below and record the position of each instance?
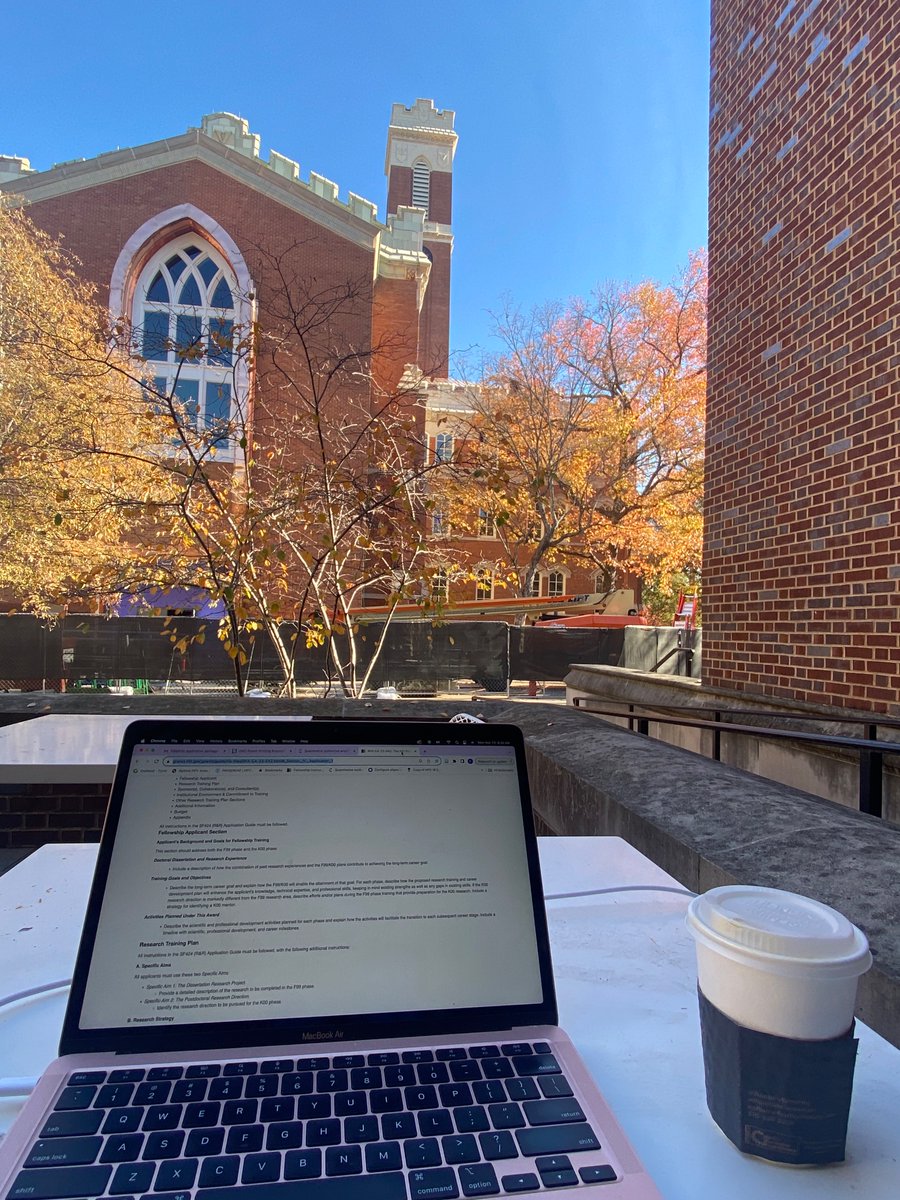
(419, 166)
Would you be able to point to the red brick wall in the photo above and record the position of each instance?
(399, 188)
(440, 197)
(435, 328)
(802, 555)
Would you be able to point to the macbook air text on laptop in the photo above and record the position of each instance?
(315, 966)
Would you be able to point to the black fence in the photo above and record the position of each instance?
(89, 651)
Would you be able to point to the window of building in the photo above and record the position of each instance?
(486, 525)
(443, 447)
(421, 184)
(185, 305)
(535, 589)
(556, 583)
(440, 585)
(484, 585)
(440, 526)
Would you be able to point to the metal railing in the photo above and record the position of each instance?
(869, 749)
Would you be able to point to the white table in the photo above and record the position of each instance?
(626, 986)
(74, 748)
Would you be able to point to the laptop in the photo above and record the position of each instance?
(315, 966)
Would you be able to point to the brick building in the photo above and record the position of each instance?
(802, 554)
(190, 238)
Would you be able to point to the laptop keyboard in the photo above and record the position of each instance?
(397, 1125)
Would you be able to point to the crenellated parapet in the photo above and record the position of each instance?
(421, 132)
(12, 167)
(401, 251)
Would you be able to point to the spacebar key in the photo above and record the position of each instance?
(55, 1183)
(389, 1186)
(556, 1139)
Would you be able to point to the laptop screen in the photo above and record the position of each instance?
(296, 877)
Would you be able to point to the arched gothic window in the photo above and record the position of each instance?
(421, 184)
(185, 303)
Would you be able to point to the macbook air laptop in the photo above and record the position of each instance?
(315, 966)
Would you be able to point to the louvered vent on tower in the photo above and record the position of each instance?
(421, 179)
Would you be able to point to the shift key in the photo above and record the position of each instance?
(556, 1139)
(55, 1183)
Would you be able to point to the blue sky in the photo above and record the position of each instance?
(582, 126)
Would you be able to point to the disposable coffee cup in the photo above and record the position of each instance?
(777, 977)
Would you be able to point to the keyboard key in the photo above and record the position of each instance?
(398, 1126)
(244, 1139)
(399, 1076)
(557, 1139)
(168, 1145)
(361, 1129)
(226, 1087)
(553, 1085)
(241, 1068)
(465, 1069)
(261, 1168)
(453, 1094)
(349, 1060)
(165, 1073)
(506, 1116)
(202, 1142)
(218, 1172)
(164, 1116)
(201, 1115)
(343, 1160)
(451, 1054)
(309, 1107)
(553, 1112)
(420, 1097)
(479, 1181)
(417, 1056)
(489, 1091)
(513, 1048)
(277, 1109)
(132, 1178)
(123, 1120)
(78, 1078)
(75, 1097)
(435, 1072)
(383, 1100)
(525, 1089)
(114, 1095)
(383, 1156)
(123, 1148)
(297, 1083)
(433, 1185)
(390, 1186)
(303, 1164)
(127, 1075)
(332, 1081)
(69, 1124)
(176, 1174)
(189, 1089)
(262, 1085)
(323, 1133)
(422, 1153)
(553, 1162)
(276, 1066)
(350, 1104)
(365, 1078)
(286, 1136)
(64, 1152)
(484, 1051)
(536, 1064)
(543, 1048)
(203, 1071)
(240, 1112)
(519, 1183)
(498, 1145)
(435, 1121)
(497, 1068)
(313, 1064)
(470, 1119)
(555, 1179)
(384, 1058)
(460, 1148)
(604, 1174)
(54, 1183)
(155, 1092)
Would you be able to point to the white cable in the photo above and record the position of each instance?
(17, 1087)
(37, 990)
(632, 887)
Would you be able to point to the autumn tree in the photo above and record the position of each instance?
(72, 429)
(585, 440)
(307, 500)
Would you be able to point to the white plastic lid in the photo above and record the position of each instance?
(767, 922)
